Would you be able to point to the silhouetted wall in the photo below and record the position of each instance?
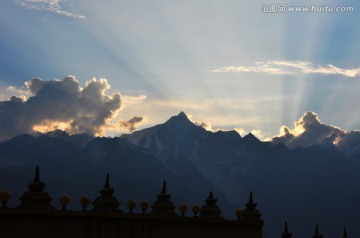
(36, 217)
(15, 222)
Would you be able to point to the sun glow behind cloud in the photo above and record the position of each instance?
(65, 105)
(184, 39)
(161, 50)
(51, 125)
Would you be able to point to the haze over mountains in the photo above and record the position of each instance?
(310, 185)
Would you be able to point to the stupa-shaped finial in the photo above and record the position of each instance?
(107, 183)
(106, 202)
(286, 233)
(317, 233)
(250, 204)
(250, 212)
(107, 191)
(163, 196)
(164, 187)
(210, 210)
(286, 228)
(211, 200)
(36, 185)
(163, 206)
(36, 198)
(345, 233)
(37, 175)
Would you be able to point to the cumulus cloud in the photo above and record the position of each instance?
(131, 125)
(350, 142)
(309, 130)
(49, 6)
(206, 125)
(291, 68)
(21, 92)
(63, 104)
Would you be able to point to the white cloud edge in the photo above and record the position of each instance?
(241, 131)
(276, 67)
(48, 6)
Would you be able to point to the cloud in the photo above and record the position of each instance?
(290, 68)
(21, 92)
(131, 125)
(241, 131)
(130, 100)
(63, 104)
(257, 133)
(350, 142)
(205, 125)
(309, 130)
(49, 6)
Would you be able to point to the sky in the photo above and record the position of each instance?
(126, 65)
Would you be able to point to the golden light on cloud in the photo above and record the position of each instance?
(257, 133)
(206, 125)
(130, 100)
(298, 130)
(241, 131)
(125, 126)
(51, 125)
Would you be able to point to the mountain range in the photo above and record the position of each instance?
(304, 186)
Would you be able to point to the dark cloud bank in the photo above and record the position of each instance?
(87, 109)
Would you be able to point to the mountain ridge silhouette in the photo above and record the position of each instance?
(315, 182)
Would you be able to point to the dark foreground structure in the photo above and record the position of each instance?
(35, 217)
